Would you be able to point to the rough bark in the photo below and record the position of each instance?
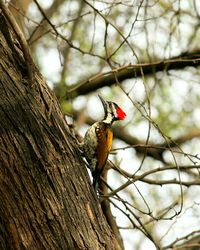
(106, 208)
(47, 201)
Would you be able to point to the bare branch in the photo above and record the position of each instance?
(21, 38)
(190, 241)
(43, 26)
(131, 71)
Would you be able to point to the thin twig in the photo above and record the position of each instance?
(21, 38)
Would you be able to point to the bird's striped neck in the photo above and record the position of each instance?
(109, 118)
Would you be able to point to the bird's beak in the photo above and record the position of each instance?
(104, 103)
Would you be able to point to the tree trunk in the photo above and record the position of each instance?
(46, 199)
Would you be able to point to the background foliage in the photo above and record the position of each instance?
(145, 56)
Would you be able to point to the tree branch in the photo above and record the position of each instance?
(152, 150)
(43, 26)
(132, 71)
(21, 39)
(193, 243)
(134, 178)
(19, 8)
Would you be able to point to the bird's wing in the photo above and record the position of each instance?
(104, 146)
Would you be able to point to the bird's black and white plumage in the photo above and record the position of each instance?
(98, 139)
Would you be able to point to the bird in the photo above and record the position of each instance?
(97, 141)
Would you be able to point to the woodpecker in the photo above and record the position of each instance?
(98, 139)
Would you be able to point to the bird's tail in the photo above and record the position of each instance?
(95, 183)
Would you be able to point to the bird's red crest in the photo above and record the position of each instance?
(120, 113)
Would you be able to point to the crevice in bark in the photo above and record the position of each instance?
(47, 201)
